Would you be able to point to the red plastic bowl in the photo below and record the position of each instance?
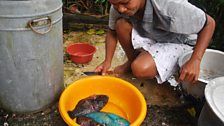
(81, 53)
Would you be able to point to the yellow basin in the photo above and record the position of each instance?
(125, 99)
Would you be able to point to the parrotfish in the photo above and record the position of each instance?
(108, 119)
(90, 104)
(86, 121)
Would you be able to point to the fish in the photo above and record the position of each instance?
(89, 104)
(108, 119)
(86, 121)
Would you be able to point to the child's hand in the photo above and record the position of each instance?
(103, 68)
(190, 71)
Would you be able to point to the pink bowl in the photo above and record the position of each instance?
(81, 53)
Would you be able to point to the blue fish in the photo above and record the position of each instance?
(108, 119)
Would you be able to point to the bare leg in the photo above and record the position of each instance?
(124, 29)
(144, 66)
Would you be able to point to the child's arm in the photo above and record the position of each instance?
(191, 69)
(111, 42)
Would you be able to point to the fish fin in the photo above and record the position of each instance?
(72, 114)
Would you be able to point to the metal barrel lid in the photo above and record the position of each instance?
(214, 94)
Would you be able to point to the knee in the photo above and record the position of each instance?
(142, 71)
(123, 26)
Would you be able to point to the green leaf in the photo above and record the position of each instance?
(192, 111)
(91, 31)
(100, 32)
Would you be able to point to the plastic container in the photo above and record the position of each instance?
(81, 53)
(125, 99)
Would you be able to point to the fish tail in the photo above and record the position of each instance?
(72, 114)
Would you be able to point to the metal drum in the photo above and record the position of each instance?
(211, 67)
(31, 54)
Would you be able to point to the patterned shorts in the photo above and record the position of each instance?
(165, 55)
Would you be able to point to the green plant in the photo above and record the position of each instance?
(105, 3)
(101, 1)
(98, 7)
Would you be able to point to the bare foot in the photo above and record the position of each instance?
(122, 69)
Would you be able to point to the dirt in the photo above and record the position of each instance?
(165, 105)
(156, 116)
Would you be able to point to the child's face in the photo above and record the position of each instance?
(129, 7)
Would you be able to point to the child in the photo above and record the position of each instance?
(154, 34)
